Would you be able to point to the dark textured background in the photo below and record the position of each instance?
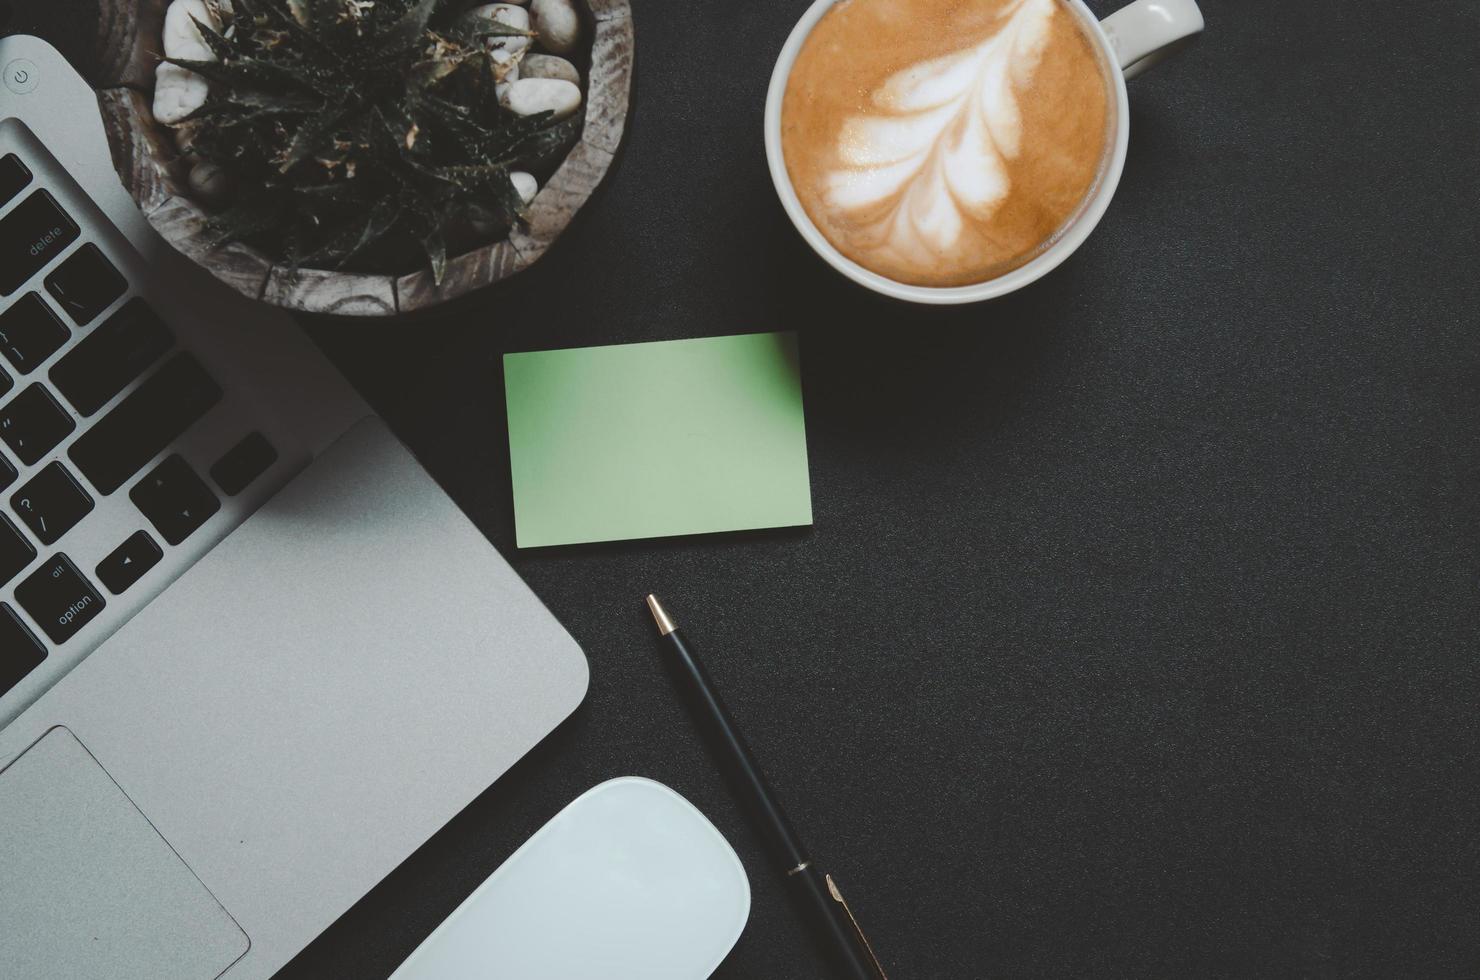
(1137, 632)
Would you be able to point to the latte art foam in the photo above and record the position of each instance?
(944, 168)
(933, 153)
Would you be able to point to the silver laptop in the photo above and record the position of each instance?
(250, 655)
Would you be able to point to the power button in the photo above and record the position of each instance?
(20, 76)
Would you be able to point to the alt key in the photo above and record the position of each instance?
(58, 598)
(128, 562)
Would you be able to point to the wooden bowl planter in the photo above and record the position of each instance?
(147, 161)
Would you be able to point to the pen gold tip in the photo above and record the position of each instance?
(837, 896)
(660, 615)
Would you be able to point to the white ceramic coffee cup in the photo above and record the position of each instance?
(1132, 39)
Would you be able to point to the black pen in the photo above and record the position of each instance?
(817, 891)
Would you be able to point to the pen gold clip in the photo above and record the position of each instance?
(832, 888)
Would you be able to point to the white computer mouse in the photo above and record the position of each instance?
(628, 881)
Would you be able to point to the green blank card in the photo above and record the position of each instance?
(651, 440)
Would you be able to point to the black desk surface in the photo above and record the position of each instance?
(1137, 632)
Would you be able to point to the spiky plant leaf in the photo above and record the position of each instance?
(408, 29)
(354, 237)
(313, 134)
(250, 216)
(357, 131)
(256, 73)
(324, 16)
(436, 248)
(219, 46)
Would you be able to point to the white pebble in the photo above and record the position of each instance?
(510, 16)
(181, 37)
(548, 66)
(208, 182)
(531, 95)
(525, 184)
(505, 66)
(556, 24)
(177, 93)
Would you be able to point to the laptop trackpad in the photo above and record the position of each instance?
(90, 888)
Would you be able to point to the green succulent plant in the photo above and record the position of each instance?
(354, 131)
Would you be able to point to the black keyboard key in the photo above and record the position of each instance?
(144, 423)
(20, 651)
(51, 503)
(86, 284)
(174, 499)
(128, 562)
(7, 473)
(15, 551)
(243, 463)
(30, 333)
(59, 599)
(116, 352)
(32, 423)
(35, 231)
(14, 176)
(5, 383)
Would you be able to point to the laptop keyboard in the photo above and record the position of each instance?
(113, 354)
(31, 333)
(23, 652)
(33, 234)
(33, 423)
(51, 503)
(14, 176)
(89, 399)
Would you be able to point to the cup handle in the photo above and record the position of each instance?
(1146, 30)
